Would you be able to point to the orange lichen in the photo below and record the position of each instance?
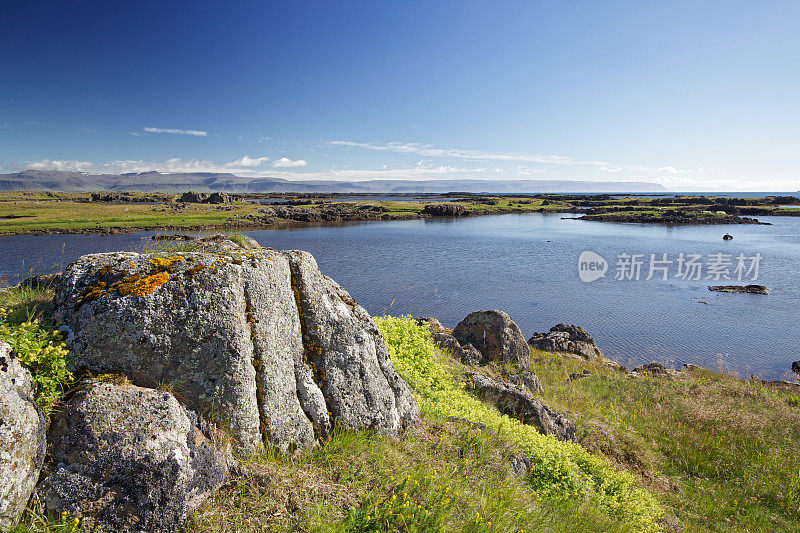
(138, 286)
(167, 264)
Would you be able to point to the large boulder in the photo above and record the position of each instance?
(796, 367)
(495, 335)
(514, 401)
(22, 438)
(257, 339)
(126, 458)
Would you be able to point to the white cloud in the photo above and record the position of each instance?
(285, 162)
(65, 165)
(428, 150)
(247, 161)
(196, 133)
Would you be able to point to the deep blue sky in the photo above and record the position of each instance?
(695, 95)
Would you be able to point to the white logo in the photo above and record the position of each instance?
(591, 266)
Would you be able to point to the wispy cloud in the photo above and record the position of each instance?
(285, 162)
(196, 133)
(428, 150)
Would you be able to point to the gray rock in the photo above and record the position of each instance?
(652, 369)
(513, 401)
(495, 335)
(472, 425)
(578, 375)
(520, 464)
(749, 289)
(530, 380)
(444, 210)
(22, 438)
(568, 339)
(129, 459)
(346, 354)
(467, 354)
(433, 324)
(277, 353)
(796, 367)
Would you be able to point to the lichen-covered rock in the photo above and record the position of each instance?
(347, 355)
(495, 335)
(278, 354)
(519, 404)
(127, 458)
(22, 438)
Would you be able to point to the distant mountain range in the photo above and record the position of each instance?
(61, 181)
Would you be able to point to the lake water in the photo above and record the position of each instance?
(527, 265)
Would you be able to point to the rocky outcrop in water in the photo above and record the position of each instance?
(495, 336)
(132, 459)
(258, 339)
(748, 289)
(22, 438)
(444, 210)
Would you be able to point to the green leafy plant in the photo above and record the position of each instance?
(41, 350)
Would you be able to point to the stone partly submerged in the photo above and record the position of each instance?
(748, 289)
(132, 459)
(22, 438)
(257, 340)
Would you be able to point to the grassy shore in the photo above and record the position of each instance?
(32, 213)
(700, 451)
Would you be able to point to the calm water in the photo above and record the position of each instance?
(526, 265)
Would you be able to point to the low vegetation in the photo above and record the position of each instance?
(699, 451)
(38, 346)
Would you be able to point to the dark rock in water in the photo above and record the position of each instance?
(515, 402)
(129, 459)
(727, 237)
(750, 289)
(796, 367)
(257, 338)
(568, 339)
(495, 335)
(444, 210)
(22, 438)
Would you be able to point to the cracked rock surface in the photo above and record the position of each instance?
(126, 458)
(258, 340)
(22, 438)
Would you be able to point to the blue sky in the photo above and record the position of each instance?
(693, 95)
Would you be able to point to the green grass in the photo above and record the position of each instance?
(719, 452)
